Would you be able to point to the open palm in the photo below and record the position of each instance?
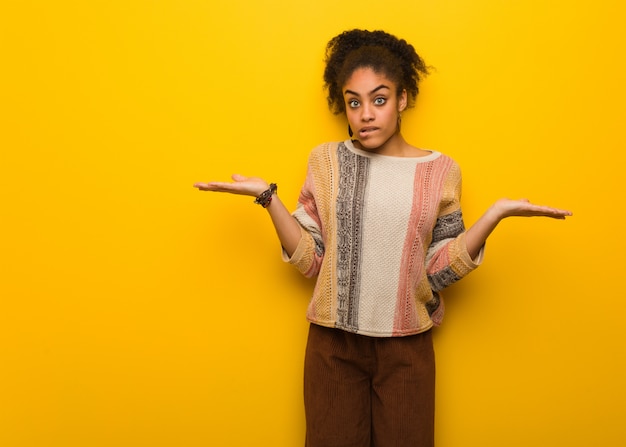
(523, 208)
(247, 186)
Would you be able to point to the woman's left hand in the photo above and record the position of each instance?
(523, 208)
(477, 234)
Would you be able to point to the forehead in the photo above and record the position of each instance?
(365, 80)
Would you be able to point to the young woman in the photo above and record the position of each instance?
(379, 223)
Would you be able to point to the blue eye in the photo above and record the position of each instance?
(353, 103)
(380, 101)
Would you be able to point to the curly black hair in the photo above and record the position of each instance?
(378, 50)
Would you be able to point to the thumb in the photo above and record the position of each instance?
(239, 178)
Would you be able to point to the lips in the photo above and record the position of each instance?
(365, 131)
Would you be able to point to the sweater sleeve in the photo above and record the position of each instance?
(447, 259)
(309, 253)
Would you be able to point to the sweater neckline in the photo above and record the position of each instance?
(420, 159)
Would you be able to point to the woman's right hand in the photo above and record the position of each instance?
(247, 186)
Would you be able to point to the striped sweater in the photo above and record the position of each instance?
(384, 235)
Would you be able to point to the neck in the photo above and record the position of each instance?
(396, 146)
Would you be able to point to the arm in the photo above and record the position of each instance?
(476, 236)
(287, 227)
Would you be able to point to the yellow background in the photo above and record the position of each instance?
(137, 311)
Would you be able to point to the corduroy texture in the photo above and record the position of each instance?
(364, 391)
(384, 235)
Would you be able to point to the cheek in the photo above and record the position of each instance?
(350, 116)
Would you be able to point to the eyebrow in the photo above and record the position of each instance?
(381, 86)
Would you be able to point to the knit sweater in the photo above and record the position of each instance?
(384, 235)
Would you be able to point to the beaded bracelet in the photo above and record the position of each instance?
(265, 198)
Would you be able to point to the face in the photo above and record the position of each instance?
(372, 108)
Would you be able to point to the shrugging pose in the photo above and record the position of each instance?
(378, 223)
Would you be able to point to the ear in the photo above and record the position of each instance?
(402, 101)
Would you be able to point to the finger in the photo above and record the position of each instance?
(239, 178)
(214, 186)
(547, 209)
(201, 186)
(564, 213)
(555, 212)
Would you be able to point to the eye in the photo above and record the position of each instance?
(380, 101)
(353, 103)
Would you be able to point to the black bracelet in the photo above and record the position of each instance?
(265, 198)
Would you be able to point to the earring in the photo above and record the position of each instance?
(399, 121)
(350, 131)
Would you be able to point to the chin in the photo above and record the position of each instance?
(373, 143)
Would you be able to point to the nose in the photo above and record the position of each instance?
(367, 112)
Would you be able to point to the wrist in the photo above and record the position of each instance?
(497, 212)
(265, 198)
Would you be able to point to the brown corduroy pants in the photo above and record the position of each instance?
(364, 391)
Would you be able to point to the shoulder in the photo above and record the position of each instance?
(322, 162)
(446, 160)
(325, 148)
(324, 153)
(446, 165)
(448, 172)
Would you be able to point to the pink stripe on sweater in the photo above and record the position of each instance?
(427, 192)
